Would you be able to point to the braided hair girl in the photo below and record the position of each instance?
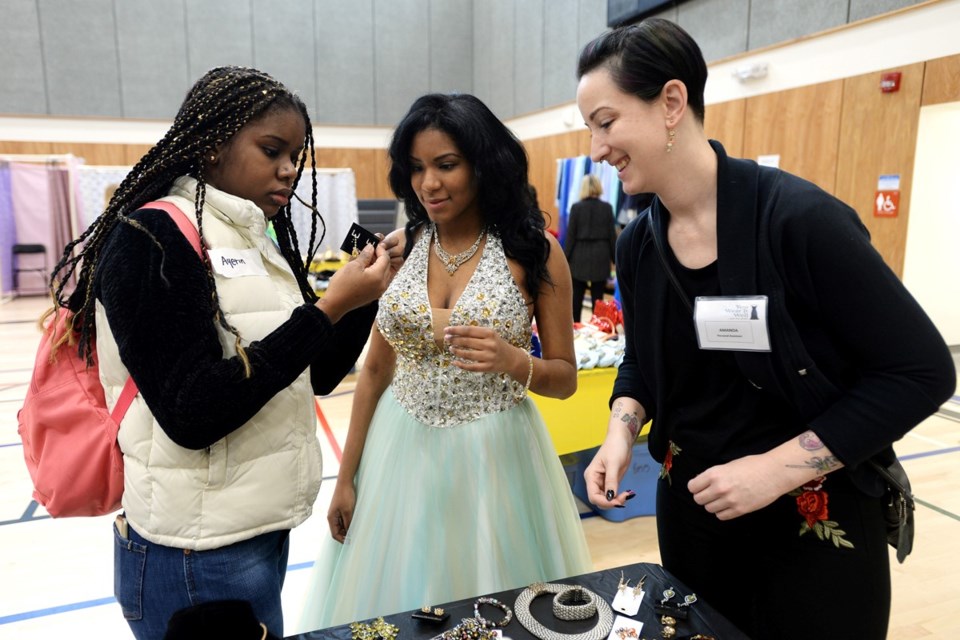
(217, 106)
(219, 447)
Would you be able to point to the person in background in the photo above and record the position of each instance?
(766, 506)
(450, 486)
(590, 244)
(227, 349)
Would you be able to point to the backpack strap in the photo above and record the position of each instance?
(183, 223)
(192, 235)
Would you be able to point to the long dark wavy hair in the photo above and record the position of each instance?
(500, 167)
(218, 105)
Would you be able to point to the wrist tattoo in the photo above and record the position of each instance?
(633, 424)
(808, 440)
(824, 464)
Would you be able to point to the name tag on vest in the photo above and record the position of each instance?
(732, 323)
(236, 263)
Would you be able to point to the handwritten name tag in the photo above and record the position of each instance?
(236, 263)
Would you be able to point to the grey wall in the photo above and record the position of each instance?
(353, 61)
(728, 27)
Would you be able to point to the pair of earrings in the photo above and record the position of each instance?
(670, 613)
(623, 586)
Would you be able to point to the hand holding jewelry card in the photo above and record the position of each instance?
(358, 238)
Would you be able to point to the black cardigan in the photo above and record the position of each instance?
(868, 366)
(158, 303)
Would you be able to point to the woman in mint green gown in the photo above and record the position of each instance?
(450, 486)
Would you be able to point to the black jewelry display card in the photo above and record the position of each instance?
(430, 617)
(357, 238)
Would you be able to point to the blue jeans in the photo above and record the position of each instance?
(151, 581)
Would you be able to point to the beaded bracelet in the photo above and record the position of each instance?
(526, 387)
(574, 603)
(508, 614)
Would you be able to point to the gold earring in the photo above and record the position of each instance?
(673, 134)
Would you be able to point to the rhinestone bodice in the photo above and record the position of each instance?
(426, 383)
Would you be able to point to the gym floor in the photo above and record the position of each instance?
(58, 574)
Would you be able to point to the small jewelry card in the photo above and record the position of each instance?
(625, 629)
(358, 238)
(627, 601)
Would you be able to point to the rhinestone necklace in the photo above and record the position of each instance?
(453, 262)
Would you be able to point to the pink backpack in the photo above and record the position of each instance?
(69, 436)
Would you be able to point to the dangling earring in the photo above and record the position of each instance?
(673, 134)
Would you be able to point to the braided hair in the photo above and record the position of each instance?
(218, 105)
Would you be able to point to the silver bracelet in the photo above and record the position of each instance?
(563, 609)
(522, 609)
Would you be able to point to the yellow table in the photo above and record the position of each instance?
(579, 422)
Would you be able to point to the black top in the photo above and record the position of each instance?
(710, 406)
(590, 240)
(160, 309)
(862, 336)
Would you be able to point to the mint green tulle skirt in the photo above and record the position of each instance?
(445, 514)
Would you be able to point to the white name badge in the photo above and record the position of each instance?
(732, 323)
(236, 263)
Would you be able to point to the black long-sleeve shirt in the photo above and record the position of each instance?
(158, 301)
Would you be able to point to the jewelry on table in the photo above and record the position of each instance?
(626, 632)
(627, 599)
(487, 624)
(522, 607)
(434, 615)
(468, 629)
(453, 262)
(377, 630)
(575, 603)
(670, 614)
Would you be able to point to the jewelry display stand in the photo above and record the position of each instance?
(701, 617)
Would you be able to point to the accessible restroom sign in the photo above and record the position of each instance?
(886, 203)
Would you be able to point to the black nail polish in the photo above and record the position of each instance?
(610, 494)
(631, 495)
(620, 506)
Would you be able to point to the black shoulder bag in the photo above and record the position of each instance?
(898, 498)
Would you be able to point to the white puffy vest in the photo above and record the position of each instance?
(265, 475)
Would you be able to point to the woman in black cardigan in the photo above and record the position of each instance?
(784, 357)
(590, 243)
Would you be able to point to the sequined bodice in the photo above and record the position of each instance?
(426, 383)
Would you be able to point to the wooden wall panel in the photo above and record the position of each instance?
(543, 154)
(878, 136)
(802, 126)
(369, 166)
(724, 122)
(941, 82)
(19, 147)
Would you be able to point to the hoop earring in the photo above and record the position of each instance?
(673, 134)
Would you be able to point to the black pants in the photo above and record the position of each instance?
(768, 580)
(597, 289)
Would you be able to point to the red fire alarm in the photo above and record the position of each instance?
(890, 82)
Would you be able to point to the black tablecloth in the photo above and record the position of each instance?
(702, 618)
